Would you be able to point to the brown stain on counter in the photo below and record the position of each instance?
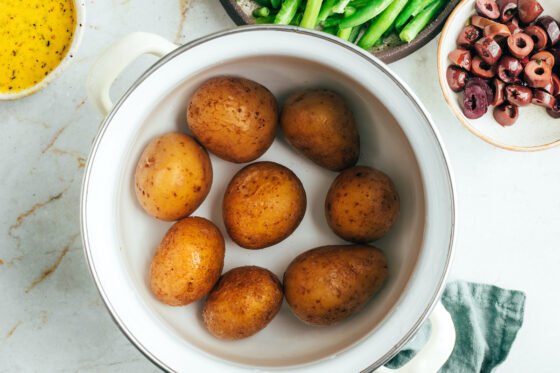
(49, 271)
(13, 330)
(183, 8)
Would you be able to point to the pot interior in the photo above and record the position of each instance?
(286, 341)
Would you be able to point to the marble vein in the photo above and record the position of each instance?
(13, 330)
(183, 7)
(50, 270)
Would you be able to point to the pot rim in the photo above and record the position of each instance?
(252, 28)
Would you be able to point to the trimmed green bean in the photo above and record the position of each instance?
(344, 33)
(332, 21)
(340, 7)
(311, 13)
(354, 34)
(413, 28)
(264, 20)
(406, 14)
(381, 24)
(366, 13)
(287, 12)
(326, 10)
(261, 12)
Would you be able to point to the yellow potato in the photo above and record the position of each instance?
(320, 125)
(243, 302)
(234, 118)
(173, 176)
(188, 262)
(324, 286)
(362, 204)
(263, 204)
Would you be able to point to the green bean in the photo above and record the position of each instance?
(297, 19)
(261, 12)
(263, 2)
(413, 28)
(326, 10)
(366, 13)
(406, 14)
(287, 12)
(359, 3)
(340, 7)
(276, 3)
(332, 21)
(344, 33)
(421, 7)
(312, 9)
(264, 20)
(354, 34)
(381, 24)
(331, 30)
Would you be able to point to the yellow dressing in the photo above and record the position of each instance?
(35, 36)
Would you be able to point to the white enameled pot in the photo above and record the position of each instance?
(397, 137)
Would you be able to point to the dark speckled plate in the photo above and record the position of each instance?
(392, 50)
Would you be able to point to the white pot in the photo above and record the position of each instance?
(397, 137)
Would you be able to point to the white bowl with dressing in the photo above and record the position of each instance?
(76, 38)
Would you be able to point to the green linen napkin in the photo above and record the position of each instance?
(486, 318)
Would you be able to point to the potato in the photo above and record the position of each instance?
(234, 118)
(320, 125)
(243, 302)
(324, 286)
(173, 176)
(362, 204)
(263, 204)
(188, 262)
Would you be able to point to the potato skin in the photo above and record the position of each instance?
(173, 176)
(263, 204)
(320, 125)
(234, 118)
(325, 285)
(362, 204)
(243, 303)
(188, 262)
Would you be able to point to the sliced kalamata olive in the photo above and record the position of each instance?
(481, 22)
(513, 26)
(506, 114)
(482, 69)
(539, 36)
(518, 95)
(468, 36)
(544, 99)
(499, 92)
(545, 57)
(456, 78)
(475, 102)
(537, 74)
(528, 10)
(508, 9)
(462, 58)
(554, 112)
(487, 8)
(556, 53)
(549, 88)
(552, 29)
(509, 69)
(497, 31)
(489, 50)
(520, 45)
(482, 84)
(555, 85)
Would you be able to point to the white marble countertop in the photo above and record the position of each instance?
(51, 317)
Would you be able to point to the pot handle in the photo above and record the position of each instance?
(113, 61)
(437, 350)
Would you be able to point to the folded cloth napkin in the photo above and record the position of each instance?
(486, 318)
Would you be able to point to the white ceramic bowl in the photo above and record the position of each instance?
(80, 7)
(397, 137)
(534, 130)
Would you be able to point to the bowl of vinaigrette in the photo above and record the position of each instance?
(38, 40)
